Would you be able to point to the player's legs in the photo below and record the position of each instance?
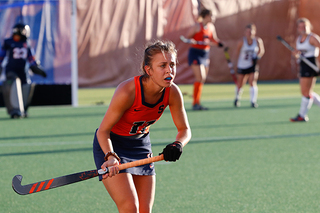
(132, 193)
(252, 80)
(242, 79)
(27, 93)
(306, 91)
(316, 98)
(207, 71)
(200, 74)
(12, 94)
(306, 85)
(145, 187)
(122, 190)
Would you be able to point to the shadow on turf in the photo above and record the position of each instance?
(47, 136)
(154, 130)
(78, 115)
(46, 152)
(219, 126)
(244, 106)
(163, 144)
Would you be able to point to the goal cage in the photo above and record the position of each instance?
(52, 38)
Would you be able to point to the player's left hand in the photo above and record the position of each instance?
(220, 44)
(173, 151)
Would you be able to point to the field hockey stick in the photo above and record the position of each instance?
(72, 178)
(190, 41)
(230, 65)
(309, 63)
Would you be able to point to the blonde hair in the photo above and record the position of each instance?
(306, 22)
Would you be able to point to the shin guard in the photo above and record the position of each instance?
(13, 98)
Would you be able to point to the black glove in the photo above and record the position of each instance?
(36, 69)
(172, 151)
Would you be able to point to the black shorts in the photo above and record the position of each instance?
(198, 56)
(128, 149)
(306, 70)
(21, 74)
(247, 71)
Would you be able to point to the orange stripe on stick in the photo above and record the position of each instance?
(49, 184)
(33, 187)
(39, 188)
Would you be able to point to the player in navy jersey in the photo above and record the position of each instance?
(307, 44)
(17, 89)
(123, 134)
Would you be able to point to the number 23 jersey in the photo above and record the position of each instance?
(18, 54)
(138, 118)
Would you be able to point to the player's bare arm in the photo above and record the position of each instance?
(261, 47)
(315, 40)
(214, 40)
(121, 101)
(192, 31)
(179, 115)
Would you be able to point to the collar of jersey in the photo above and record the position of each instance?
(142, 96)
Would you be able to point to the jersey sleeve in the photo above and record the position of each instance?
(3, 51)
(31, 58)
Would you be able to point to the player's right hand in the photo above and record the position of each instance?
(296, 53)
(111, 164)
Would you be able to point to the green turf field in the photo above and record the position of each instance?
(239, 160)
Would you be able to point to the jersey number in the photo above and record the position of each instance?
(248, 55)
(140, 124)
(19, 53)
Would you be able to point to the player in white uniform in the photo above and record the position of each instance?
(250, 48)
(307, 44)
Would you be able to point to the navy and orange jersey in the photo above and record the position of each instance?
(201, 36)
(138, 118)
(18, 53)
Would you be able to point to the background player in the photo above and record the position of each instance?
(137, 103)
(199, 54)
(17, 88)
(250, 48)
(307, 44)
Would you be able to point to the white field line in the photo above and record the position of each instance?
(186, 101)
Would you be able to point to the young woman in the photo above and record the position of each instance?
(250, 48)
(307, 44)
(203, 35)
(123, 134)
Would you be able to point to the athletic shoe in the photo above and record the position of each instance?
(199, 107)
(254, 105)
(15, 116)
(299, 119)
(236, 103)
